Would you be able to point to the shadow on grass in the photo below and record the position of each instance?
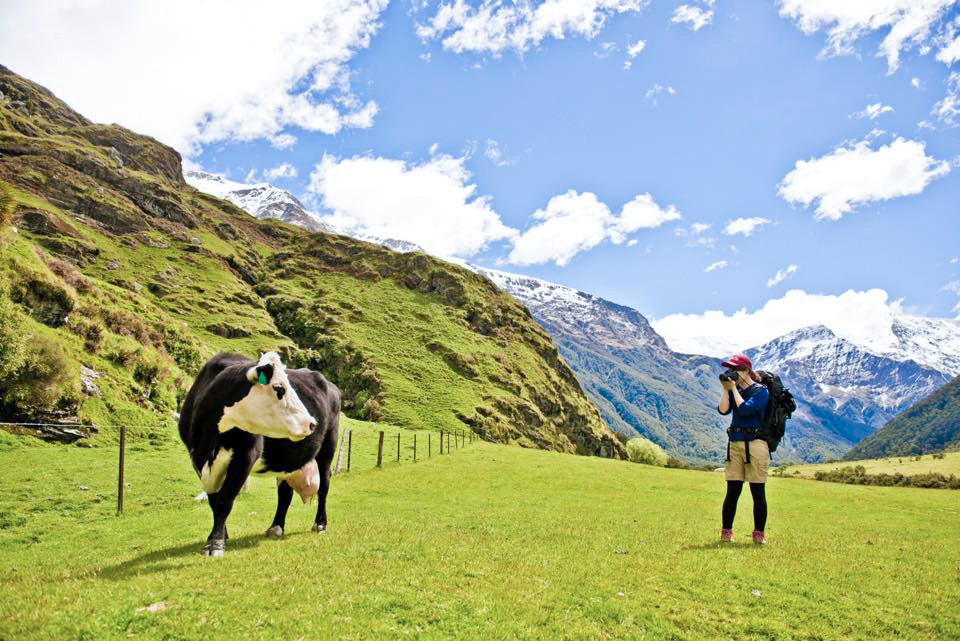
(721, 545)
(171, 558)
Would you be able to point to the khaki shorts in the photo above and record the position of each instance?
(737, 468)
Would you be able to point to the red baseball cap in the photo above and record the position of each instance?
(738, 360)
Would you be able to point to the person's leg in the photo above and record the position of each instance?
(759, 505)
(730, 503)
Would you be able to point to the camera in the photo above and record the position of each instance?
(729, 375)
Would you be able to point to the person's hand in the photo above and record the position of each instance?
(727, 385)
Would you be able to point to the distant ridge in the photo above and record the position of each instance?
(931, 425)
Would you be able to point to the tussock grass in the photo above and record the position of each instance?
(490, 542)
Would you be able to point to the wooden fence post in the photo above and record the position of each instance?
(349, 447)
(380, 450)
(123, 443)
(441, 441)
(398, 447)
(340, 455)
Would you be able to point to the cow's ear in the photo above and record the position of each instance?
(264, 373)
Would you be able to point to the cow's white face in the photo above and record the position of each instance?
(272, 407)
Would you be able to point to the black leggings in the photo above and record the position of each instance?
(759, 504)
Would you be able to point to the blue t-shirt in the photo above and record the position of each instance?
(748, 418)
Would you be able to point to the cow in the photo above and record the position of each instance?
(242, 417)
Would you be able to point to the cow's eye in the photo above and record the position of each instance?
(280, 391)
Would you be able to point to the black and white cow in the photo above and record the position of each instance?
(242, 417)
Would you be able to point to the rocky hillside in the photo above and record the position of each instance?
(118, 279)
(932, 425)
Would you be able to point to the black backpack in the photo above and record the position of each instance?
(780, 405)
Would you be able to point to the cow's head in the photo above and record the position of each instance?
(271, 407)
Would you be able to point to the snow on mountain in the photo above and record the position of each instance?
(576, 313)
(852, 381)
(263, 200)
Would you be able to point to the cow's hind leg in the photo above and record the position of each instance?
(324, 459)
(284, 494)
(221, 502)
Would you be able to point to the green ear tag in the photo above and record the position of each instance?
(263, 378)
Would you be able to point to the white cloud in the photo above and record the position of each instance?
(284, 170)
(495, 155)
(745, 226)
(606, 48)
(656, 90)
(907, 23)
(720, 264)
(574, 222)
(781, 275)
(862, 317)
(857, 174)
(493, 28)
(696, 17)
(699, 228)
(633, 50)
(431, 204)
(191, 73)
(948, 109)
(872, 111)
(953, 286)
(916, 82)
(954, 261)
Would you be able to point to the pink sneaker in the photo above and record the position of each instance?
(726, 535)
(758, 537)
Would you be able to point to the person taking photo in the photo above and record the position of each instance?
(748, 456)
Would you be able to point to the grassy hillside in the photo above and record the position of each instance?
(490, 542)
(117, 281)
(906, 465)
(932, 425)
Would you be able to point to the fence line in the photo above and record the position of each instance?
(346, 439)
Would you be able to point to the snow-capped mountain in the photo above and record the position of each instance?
(263, 200)
(852, 381)
(577, 313)
(846, 390)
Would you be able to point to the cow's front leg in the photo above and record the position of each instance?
(284, 494)
(221, 503)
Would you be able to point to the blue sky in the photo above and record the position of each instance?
(743, 150)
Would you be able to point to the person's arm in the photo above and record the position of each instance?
(724, 405)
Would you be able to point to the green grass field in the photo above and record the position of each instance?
(488, 542)
(906, 465)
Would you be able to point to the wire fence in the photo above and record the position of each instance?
(394, 445)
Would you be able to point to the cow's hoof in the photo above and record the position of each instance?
(275, 532)
(318, 527)
(213, 548)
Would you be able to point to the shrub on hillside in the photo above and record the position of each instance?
(6, 205)
(641, 450)
(11, 333)
(45, 376)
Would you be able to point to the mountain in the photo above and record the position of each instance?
(626, 368)
(118, 280)
(261, 200)
(265, 201)
(931, 425)
(849, 380)
(641, 386)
